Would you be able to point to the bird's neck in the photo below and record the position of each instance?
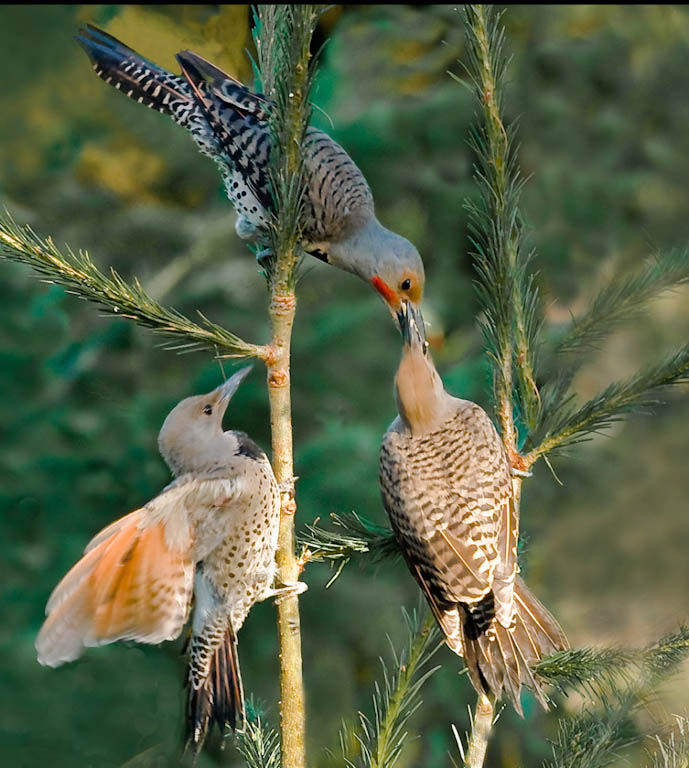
(200, 454)
(355, 249)
(422, 401)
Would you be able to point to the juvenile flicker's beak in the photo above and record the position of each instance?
(229, 387)
(411, 326)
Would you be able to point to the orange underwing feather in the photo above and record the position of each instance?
(131, 584)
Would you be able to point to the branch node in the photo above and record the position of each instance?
(278, 378)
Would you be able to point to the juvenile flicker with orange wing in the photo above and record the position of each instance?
(210, 536)
(447, 487)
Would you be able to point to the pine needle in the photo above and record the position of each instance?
(381, 738)
(623, 681)
(258, 745)
(622, 300)
(355, 535)
(287, 80)
(82, 278)
(510, 319)
(566, 425)
(673, 752)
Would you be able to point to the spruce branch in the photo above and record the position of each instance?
(593, 738)
(618, 302)
(506, 290)
(601, 669)
(283, 38)
(482, 722)
(566, 425)
(77, 273)
(382, 738)
(258, 745)
(593, 669)
(622, 681)
(622, 300)
(355, 535)
(662, 658)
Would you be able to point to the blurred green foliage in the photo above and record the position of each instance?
(600, 92)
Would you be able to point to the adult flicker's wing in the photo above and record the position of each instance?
(239, 123)
(336, 188)
(135, 579)
(444, 493)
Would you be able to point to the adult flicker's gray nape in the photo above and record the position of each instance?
(446, 485)
(229, 123)
(211, 533)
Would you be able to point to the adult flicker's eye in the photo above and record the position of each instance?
(208, 409)
(406, 284)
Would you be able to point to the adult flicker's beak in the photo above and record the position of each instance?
(403, 310)
(411, 326)
(229, 387)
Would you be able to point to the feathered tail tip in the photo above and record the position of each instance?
(501, 659)
(219, 698)
(135, 76)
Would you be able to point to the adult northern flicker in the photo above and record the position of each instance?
(211, 533)
(446, 485)
(229, 123)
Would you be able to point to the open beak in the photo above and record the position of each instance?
(408, 316)
(229, 387)
(411, 326)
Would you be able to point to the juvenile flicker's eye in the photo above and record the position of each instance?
(406, 284)
(208, 409)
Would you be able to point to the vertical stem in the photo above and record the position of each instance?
(292, 714)
(480, 732)
(504, 188)
(388, 733)
(497, 153)
(283, 46)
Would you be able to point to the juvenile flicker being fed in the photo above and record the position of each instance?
(229, 123)
(212, 533)
(446, 486)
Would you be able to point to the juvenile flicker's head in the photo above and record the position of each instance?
(192, 438)
(421, 398)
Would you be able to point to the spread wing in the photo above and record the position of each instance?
(135, 579)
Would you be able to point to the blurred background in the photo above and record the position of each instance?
(600, 93)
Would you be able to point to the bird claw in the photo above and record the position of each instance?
(287, 486)
(288, 590)
(264, 257)
(521, 472)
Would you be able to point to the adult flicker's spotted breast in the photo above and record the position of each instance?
(447, 487)
(211, 534)
(229, 123)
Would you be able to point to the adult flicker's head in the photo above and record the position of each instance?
(384, 259)
(398, 274)
(192, 435)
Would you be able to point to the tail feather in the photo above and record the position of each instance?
(217, 698)
(502, 658)
(237, 119)
(141, 80)
(223, 86)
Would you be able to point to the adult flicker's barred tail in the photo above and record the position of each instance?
(212, 533)
(229, 123)
(446, 485)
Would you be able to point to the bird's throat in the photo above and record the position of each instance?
(419, 392)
